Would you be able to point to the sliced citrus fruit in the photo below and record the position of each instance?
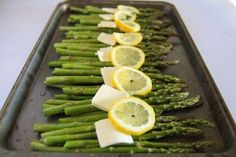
(127, 56)
(132, 116)
(128, 26)
(130, 9)
(132, 81)
(130, 39)
(124, 16)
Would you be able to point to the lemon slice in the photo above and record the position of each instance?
(127, 56)
(124, 16)
(130, 39)
(130, 9)
(132, 81)
(132, 116)
(128, 26)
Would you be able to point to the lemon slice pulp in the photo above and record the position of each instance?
(127, 56)
(130, 39)
(130, 9)
(132, 81)
(124, 16)
(132, 116)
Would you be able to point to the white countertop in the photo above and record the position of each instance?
(211, 23)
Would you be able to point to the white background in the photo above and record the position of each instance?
(211, 23)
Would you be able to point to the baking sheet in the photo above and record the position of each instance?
(23, 106)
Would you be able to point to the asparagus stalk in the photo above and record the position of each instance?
(80, 90)
(190, 102)
(82, 46)
(59, 102)
(182, 123)
(167, 98)
(81, 144)
(61, 139)
(76, 58)
(72, 97)
(94, 64)
(73, 80)
(166, 78)
(90, 118)
(77, 110)
(73, 130)
(94, 143)
(168, 86)
(42, 147)
(176, 131)
(44, 106)
(67, 52)
(164, 91)
(50, 127)
(80, 41)
(76, 72)
(166, 119)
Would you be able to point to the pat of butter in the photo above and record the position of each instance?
(106, 96)
(104, 54)
(106, 24)
(107, 74)
(110, 10)
(107, 17)
(108, 135)
(106, 39)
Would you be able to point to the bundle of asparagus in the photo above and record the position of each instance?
(77, 73)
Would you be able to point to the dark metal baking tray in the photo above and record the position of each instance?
(23, 106)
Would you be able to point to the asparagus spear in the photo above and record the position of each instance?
(76, 72)
(50, 127)
(82, 46)
(73, 130)
(42, 147)
(164, 91)
(76, 58)
(77, 110)
(73, 80)
(166, 119)
(61, 139)
(72, 97)
(176, 131)
(90, 118)
(59, 102)
(80, 90)
(80, 41)
(44, 106)
(187, 122)
(190, 102)
(67, 52)
(94, 143)
(167, 98)
(166, 78)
